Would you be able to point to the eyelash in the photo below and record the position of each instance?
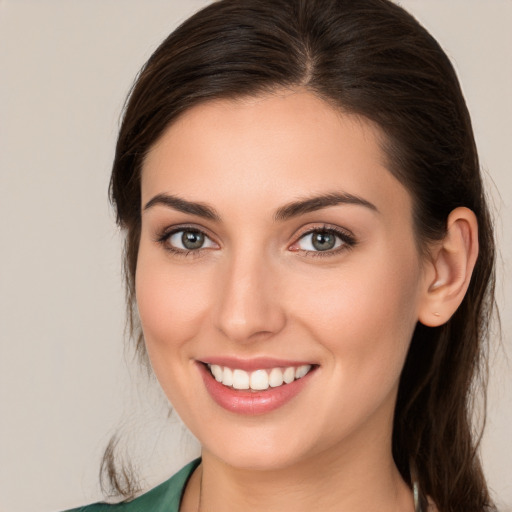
(348, 241)
(163, 239)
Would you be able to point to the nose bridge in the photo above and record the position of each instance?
(248, 307)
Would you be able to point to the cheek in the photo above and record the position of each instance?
(171, 301)
(365, 317)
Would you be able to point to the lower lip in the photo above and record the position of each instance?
(251, 402)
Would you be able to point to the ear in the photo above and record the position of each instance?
(449, 268)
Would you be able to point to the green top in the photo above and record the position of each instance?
(165, 497)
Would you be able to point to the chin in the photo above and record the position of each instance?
(254, 459)
(258, 449)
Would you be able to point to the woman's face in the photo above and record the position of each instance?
(275, 242)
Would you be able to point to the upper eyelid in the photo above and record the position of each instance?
(170, 230)
(337, 230)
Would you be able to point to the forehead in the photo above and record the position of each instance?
(278, 146)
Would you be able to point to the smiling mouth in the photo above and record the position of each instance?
(257, 380)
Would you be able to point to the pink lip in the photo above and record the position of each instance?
(251, 402)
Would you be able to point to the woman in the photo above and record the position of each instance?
(310, 256)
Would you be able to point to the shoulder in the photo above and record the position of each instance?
(163, 498)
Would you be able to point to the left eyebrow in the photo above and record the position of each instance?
(182, 205)
(300, 207)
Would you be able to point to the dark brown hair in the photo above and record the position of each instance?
(373, 59)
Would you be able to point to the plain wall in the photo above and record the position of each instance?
(65, 69)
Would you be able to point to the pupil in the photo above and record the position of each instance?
(323, 241)
(192, 239)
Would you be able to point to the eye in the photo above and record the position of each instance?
(326, 240)
(184, 240)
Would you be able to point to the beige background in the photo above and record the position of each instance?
(66, 67)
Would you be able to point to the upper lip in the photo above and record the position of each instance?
(256, 363)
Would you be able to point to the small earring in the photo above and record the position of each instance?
(416, 496)
(420, 503)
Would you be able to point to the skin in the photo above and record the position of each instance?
(257, 289)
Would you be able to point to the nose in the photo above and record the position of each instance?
(248, 306)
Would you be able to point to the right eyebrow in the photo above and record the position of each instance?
(182, 205)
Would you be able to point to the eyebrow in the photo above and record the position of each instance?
(307, 205)
(182, 205)
(288, 211)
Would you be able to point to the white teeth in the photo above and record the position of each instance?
(240, 379)
(301, 371)
(289, 374)
(227, 376)
(275, 378)
(258, 380)
(217, 372)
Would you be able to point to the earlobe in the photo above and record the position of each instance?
(450, 268)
